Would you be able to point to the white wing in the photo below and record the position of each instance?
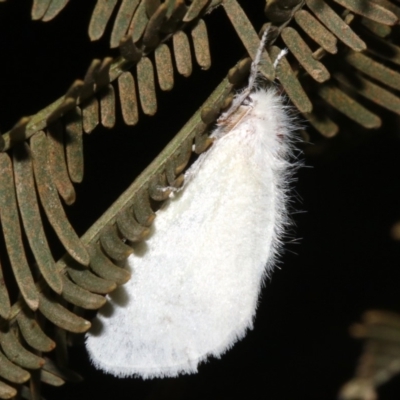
(196, 280)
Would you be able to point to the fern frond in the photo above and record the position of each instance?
(380, 360)
(42, 155)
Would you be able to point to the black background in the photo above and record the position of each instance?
(343, 262)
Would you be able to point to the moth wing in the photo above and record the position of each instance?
(196, 280)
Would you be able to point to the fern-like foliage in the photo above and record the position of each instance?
(42, 155)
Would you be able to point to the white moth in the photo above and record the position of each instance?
(196, 281)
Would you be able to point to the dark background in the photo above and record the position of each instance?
(342, 263)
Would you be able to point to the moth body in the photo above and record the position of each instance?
(197, 279)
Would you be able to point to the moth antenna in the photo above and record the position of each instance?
(282, 54)
(256, 62)
(238, 100)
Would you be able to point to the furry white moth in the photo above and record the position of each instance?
(196, 281)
